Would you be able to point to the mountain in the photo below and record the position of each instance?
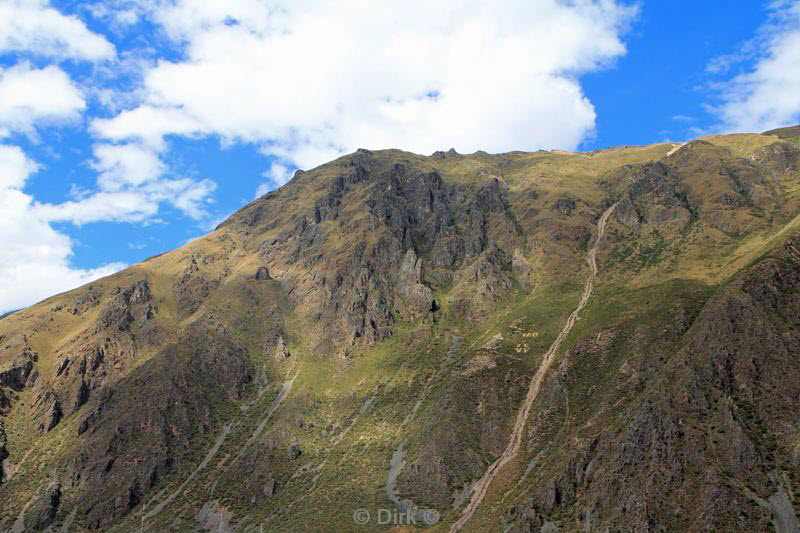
(516, 342)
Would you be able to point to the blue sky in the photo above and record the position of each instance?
(128, 127)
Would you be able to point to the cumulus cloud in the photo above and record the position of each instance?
(125, 165)
(34, 258)
(33, 26)
(15, 167)
(313, 79)
(30, 95)
(766, 96)
(131, 185)
(277, 175)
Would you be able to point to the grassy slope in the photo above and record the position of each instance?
(329, 396)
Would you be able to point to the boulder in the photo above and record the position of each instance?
(295, 451)
(262, 274)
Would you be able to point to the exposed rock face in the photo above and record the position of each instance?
(45, 509)
(262, 274)
(88, 299)
(269, 488)
(657, 195)
(192, 288)
(119, 312)
(348, 293)
(281, 352)
(779, 157)
(294, 452)
(479, 287)
(479, 402)
(523, 518)
(521, 268)
(16, 372)
(52, 416)
(414, 300)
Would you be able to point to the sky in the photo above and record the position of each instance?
(129, 127)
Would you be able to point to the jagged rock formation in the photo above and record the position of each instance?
(264, 376)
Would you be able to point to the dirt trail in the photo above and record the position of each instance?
(675, 148)
(511, 451)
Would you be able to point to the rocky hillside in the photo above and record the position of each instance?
(515, 342)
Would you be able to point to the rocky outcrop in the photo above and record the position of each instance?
(463, 429)
(357, 271)
(281, 351)
(86, 300)
(656, 195)
(413, 299)
(524, 518)
(294, 452)
(17, 366)
(262, 274)
(47, 410)
(17, 369)
(521, 268)
(43, 512)
(119, 311)
(778, 157)
(192, 288)
(480, 286)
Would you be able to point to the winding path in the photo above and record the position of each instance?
(511, 451)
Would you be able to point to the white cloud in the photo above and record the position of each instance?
(34, 258)
(766, 97)
(147, 124)
(132, 179)
(32, 26)
(131, 185)
(277, 175)
(15, 167)
(125, 165)
(313, 79)
(29, 95)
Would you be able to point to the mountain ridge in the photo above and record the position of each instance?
(152, 382)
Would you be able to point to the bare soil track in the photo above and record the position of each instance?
(511, 451)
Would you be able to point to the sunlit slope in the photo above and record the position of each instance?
(388, 306)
